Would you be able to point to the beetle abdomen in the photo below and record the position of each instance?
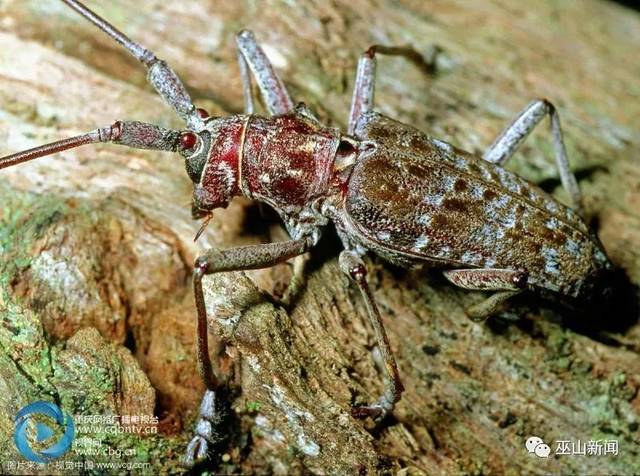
(420, 200)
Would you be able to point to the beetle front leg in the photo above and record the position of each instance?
(352, 266)
(506, 282)
(214, 261)
(245, 77)
(251, 57)
(511, 137)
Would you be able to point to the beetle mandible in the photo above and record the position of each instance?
(387, 187)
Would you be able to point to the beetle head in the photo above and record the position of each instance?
(195, 148)
(212, 162)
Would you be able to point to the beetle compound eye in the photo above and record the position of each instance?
(188, 140)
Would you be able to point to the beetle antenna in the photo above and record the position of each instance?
(134, 134)
(138, 51)
(165, 81)
(47, 149)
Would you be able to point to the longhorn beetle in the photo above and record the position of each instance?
(387, 187)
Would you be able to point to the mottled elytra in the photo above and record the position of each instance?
(387, 187)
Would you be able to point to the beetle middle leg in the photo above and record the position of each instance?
(352, 266)
(364, 89)
(513, 135)
(215, 261)
(506, 282)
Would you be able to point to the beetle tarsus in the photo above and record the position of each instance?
(198, 448)
(376, 412)
(483, 310)
(379, 410)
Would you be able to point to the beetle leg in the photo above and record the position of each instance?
(352, 266)
(245, 76)
(252, 57)
(507, 282)
(205, 429)
(214, 261)
(488, 279)
(364, 89)
(510, 139)
(490, 306)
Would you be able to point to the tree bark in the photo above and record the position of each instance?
(97, 243)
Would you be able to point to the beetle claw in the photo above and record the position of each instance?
(199, 446)
(196, 451)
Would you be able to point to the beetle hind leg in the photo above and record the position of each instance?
(510, 139)
(352, 266)
(506, 282)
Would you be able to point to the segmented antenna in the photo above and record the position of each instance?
(165, 81)
(138, 51)
(48, 149)
(139, 135)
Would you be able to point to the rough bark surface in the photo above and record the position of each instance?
(97, 251)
